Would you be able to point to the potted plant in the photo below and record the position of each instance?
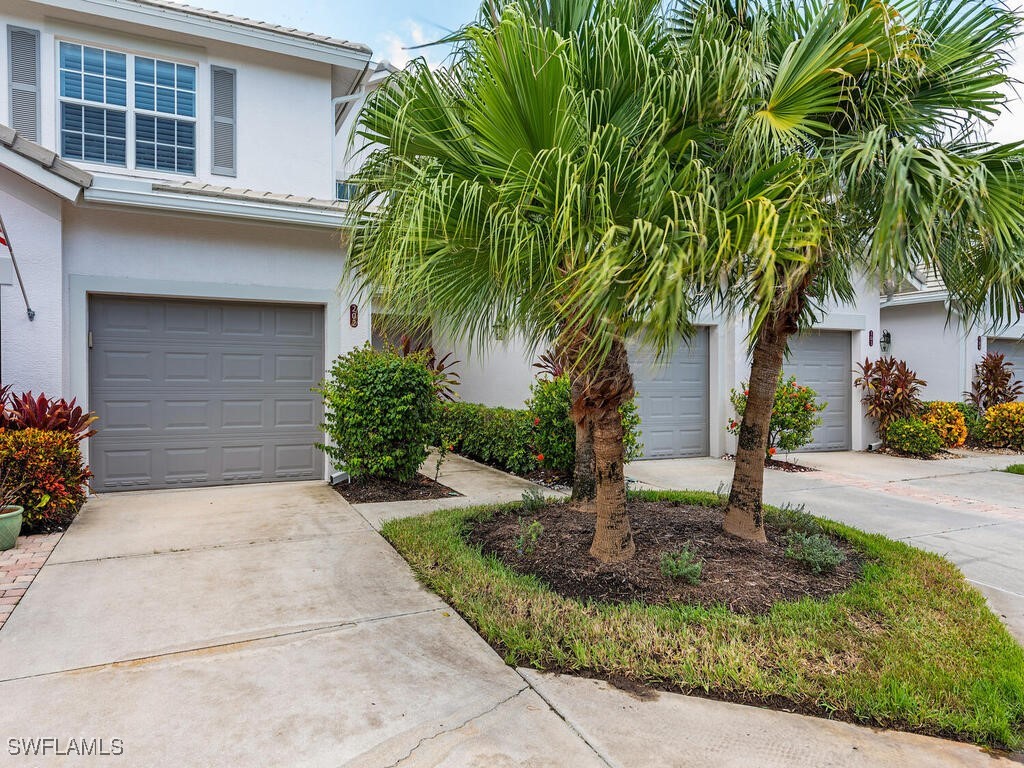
(10, 512)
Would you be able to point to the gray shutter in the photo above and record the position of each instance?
(23, 50)
(224, 107)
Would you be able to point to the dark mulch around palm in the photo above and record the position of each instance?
(745, 577)
(779, 464)
(370, 490)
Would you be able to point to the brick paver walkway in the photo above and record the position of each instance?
(19, 566)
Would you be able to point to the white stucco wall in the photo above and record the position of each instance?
(31, 355)
(500, 375)
(285, 126)
(940, 350)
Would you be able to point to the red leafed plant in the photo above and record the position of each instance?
(994, 382)
(891, 391)
(49, 414)
(445, 379)
(551, 364)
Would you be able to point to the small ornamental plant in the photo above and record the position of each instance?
(1004, 426)
(794, 415)
(913, 437)
(554, 438)
(47, 468)
(948, 422)
(891, 390)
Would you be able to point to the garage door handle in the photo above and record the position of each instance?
(90, 339)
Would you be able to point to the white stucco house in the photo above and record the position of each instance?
(168, 182)
(173, 183)
(684, 401)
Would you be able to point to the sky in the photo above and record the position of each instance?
(389, 27)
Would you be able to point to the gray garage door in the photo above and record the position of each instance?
(1013, 351)
(821, 360)
(203, 393)
(672, 397)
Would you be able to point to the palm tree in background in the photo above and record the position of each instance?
(553, 180)
(879, 107)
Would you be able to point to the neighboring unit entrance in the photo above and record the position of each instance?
(821, 360)
(1013, 351)
(672, 397)
(195, 393)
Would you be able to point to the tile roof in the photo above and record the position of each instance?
(43, 157)
(253, 23)
(248, 195)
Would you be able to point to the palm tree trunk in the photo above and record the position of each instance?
(613, 535)
(584, 481)
(744, 517)
(598, 393)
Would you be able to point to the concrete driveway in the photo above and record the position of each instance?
(961, 508)
(272, 626)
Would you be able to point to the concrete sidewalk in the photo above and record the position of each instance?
(271, 625)
(959, 508)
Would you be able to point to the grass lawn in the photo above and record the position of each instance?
(1015, 469)
(910, 646)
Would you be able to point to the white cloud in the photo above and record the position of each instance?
(396, 46)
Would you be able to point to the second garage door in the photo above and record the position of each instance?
(1013, 351)
(821, 360)
(672, 398)
(195, 393)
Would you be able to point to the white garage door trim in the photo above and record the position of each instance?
(681, 399)
(822, 360)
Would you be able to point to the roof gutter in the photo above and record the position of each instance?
(268, 212)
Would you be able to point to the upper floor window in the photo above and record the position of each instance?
(99, 110)
(344, 190)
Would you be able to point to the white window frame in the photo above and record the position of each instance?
(130, 109)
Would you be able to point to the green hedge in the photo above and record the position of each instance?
(502, 437)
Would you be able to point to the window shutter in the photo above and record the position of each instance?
(224, 108)
(23, 50)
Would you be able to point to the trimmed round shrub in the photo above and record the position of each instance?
(948, 422)
(379, 413)
(47, 465)
(914, 437)
(1004, 426)
(974, 420)
(555, 431)
(794, 415)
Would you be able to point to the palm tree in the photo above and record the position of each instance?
(549, 180)
(878, 106)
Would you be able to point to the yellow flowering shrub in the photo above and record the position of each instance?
(1004, 426)
(948, 422)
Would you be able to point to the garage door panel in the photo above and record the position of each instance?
(214, 394)
(822, 361)
(1013, 351)
(672, 398)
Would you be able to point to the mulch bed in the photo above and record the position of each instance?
(745, 577)
(371, 490)
(942, 455)
(778, 464)
(549, 478)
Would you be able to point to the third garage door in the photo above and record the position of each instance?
(203, 393)
(821, 360)
(672, 397)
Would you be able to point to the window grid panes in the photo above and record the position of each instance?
(95, 113)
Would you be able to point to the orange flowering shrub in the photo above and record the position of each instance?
(948, 422)
(1004, 426)
(49, 467)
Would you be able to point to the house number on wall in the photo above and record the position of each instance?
(353, 316)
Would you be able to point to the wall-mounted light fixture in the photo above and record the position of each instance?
(885, 342)
(979, 343)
